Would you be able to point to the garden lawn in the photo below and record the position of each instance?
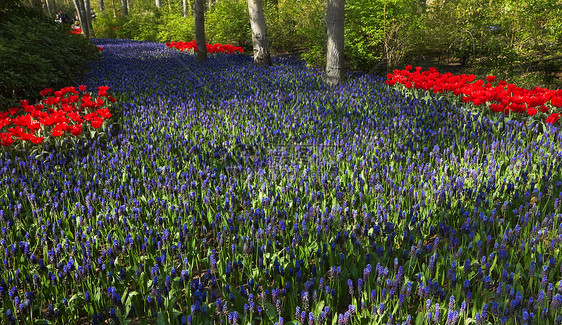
(258, 195)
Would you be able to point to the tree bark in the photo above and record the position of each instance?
(158, 4)
(89, 17)
(102, 6)
(48, 8)
(199, 10)
(259, 33)
(80, 9)
(184, 8)
(124, 7)
(335, 14)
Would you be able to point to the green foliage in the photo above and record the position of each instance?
(144, 26)
(495, 36)
(36, 53)
(106, 25)
(297, 26)
(228, 22)
(378, 30)
(145, 23)
(175, 27)
(315, 56)
(500, 33)
(116, 25)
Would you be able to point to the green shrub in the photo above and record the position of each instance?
(229, 22)
(105, 25)
(110, 25)
(36, 53)
(175, 27)
(297, 26)
(144, 26)
(379, 30)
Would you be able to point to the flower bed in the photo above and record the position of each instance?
(237, 195)
(64, 112)
(498, 96)
(211, 48)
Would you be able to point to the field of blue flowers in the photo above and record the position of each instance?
(233, 194)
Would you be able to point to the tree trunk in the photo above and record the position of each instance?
(335, 14)
(102, 6)
(48, 8)
(79, 5)
(158, 4)
(124, 7)
(89, 17)
(199, 9)
(259, 33)
(184, 8)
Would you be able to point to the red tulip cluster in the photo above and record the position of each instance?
(65, 111)
(501, 97)
(76, 31)
(211, 48)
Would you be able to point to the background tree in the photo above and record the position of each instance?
(259, 33)
(521, 39)
(124, 7)
(88, 10)
(82, 16)
(335, 16)
(199, 11)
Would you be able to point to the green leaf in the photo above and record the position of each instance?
(270, 311)
(160, 319)
(420, 319)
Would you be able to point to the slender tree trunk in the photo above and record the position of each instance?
(88, 10)
(259, 33)
(124, 7)
(158, 4)
(48, 8)
(199, 9)
(79, 5)
(102, 6)
(335, 14)
(184, 8)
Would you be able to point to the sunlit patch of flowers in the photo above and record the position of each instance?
(64, 112)
(498, 96)
(211, 48)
